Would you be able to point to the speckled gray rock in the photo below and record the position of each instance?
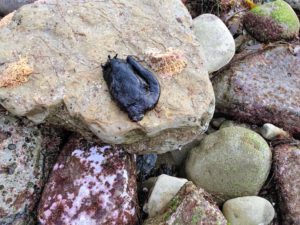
(62, 45)
(262, 88)
(216, 41)
(287, 177)
(25, 160)
(190, 206)
(249, 210)
(229, 163)
(294, 3)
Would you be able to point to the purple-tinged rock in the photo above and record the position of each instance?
(262, 88)
(90, 184)
(287, 175)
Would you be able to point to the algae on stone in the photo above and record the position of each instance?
(272, 21)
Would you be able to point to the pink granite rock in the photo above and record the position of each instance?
(287, 175)
(90, 184)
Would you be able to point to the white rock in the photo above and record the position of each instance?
(270, 132)
(250, 210)
(165, 188)
(216, 41)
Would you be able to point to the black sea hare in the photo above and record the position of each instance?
(135, 88)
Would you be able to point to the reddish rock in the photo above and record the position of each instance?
(90, 184)
(262, 88)
(287, 176)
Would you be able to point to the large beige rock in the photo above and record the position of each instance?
(52, 51)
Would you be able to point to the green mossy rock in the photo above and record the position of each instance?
(229, 163)
(272, 22)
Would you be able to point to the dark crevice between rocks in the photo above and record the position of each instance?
(49, 159)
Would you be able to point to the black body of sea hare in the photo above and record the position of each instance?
(133, 87)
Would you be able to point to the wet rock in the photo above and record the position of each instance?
(165, 188)
(272, 21)
(145, 164)
(216, 41)
(191, 205)
(250, 210)
(61, 44)
(24, 160)
(90, 184)
(271, 132)
(262, 88)
(229, 163)
(287, 167)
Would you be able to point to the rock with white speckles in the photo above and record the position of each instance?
(50, 57)
(190, 206)
(90, 184)
(25, 159)
(287, 177)
(262, 88)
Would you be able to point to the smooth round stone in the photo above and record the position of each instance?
(216, 41)
(229, 163)
(250, 210)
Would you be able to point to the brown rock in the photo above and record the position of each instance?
(191, 205)
(90, 184)
(287, 175)
(63, 43)
(262, 88)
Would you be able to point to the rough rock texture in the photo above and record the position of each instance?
(294, 3)
(165, 188)
(262, 88)
(190, 206)
(272, 21)
(229, 163)
(216, 41)
(90, 184)
(64, 42)
(25, 160)
(287, 176)
(249, 210)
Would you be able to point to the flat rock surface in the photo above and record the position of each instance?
(262, 88)
(50, 57)
(287, 176)
(191, 205)
(89, 185)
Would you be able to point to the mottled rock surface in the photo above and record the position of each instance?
(272, 21)
(165, 188)
(25, 160)
(287, 176)
(262, 88)
(229, 163)
(216, 41)
(90, 184)
(63, 43)
(190, 206)
(249, 210)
